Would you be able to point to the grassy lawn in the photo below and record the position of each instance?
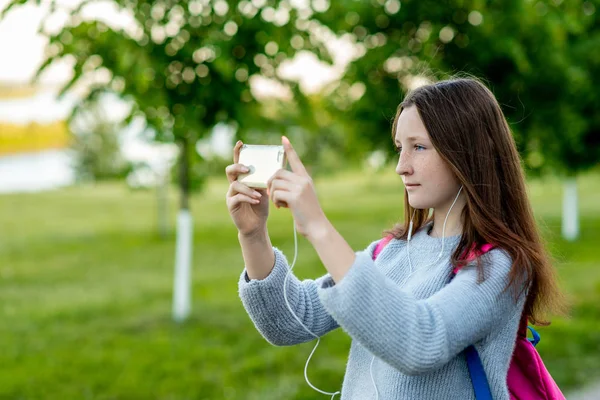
(86, 286)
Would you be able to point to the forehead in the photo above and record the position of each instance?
(410, 125)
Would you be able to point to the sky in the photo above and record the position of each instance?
(22, 52)
(21, 48)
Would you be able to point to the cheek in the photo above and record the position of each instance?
(439, 175)
(430, 170)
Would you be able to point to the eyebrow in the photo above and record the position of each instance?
(410, 139)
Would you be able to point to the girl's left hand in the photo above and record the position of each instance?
(295, 190)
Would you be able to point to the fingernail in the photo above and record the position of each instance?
(257, 194)
(245, 169)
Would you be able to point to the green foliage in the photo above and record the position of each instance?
(187, 65)
(318, 134)
(86, 294)
(539, 58)
(95, 145)
(184, 65)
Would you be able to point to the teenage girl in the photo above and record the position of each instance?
(408, 320)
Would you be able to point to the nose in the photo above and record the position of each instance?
(404, 166)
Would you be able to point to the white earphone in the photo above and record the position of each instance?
(411, 270)
(332, 394)
(410, 231)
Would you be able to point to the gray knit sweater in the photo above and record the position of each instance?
(416, 329)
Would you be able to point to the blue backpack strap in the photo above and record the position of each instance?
(481, 386)
(536, 336)
(477, 373)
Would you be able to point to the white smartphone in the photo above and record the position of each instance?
(263, 161)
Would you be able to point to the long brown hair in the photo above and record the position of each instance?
(471, 134)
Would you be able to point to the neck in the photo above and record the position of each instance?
(454, 224)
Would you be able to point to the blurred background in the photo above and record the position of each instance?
(118, 260)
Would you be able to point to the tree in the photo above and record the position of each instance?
(547, 82)
(538, 58)
(185, 66)
(95, 144)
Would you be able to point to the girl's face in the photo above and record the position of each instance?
(427, 178)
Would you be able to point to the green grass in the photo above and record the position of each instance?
(86, 286)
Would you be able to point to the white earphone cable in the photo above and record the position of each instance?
(411, 271)
(332, 394)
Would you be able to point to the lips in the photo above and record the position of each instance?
(411, 185)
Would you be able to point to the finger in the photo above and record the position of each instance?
(238, 187)
(235, 170)
(236, 151)
(283, 184)
(283, 174)
(280, 184)
(281, 198)
(293, 158)
(242, 198)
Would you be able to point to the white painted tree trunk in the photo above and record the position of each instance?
(183, 258)
(570, 212)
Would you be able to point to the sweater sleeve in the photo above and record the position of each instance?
(417, 336)
(265, 304)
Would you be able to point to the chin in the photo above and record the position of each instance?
(418, 203)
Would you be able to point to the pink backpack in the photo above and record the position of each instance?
(528, 378)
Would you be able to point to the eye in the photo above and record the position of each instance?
(398, 149)
(419, 147)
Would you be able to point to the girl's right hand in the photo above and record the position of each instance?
(249, 208)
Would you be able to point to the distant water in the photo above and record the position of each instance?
(35, 172)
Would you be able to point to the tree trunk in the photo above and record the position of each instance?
(162, 203)
(184, 174)
(183, 252)
(570, 214)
